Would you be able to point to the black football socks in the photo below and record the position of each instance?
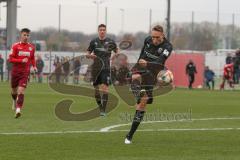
(98, 100)
(104, 101)
(136, 121)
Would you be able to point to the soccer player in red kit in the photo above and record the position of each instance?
(22, 57)
(227, 75)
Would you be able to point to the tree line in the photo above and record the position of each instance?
(184, 36)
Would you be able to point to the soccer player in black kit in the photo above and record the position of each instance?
(191, 71)
(100, 50)
(143, 76)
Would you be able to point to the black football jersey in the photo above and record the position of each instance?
(103, 49)
(155, 54)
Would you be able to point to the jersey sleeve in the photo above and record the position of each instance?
(13, 54)
(167, 51)
(165, 54)
(91, 47)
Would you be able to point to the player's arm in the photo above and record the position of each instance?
(90, 50)
(115, 51)
(142, 62)
(165, 54)
(13, 56)
(142, 56)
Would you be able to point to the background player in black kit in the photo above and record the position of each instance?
(191, 71)
(100, 49)
(151, 61)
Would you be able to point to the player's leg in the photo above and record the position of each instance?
(1, 72)
(20, 96)
(74, 79)
(77, 79)
(95, 76)
(141, 98)
(230, 82)
(234, 77)
(148, 80)
(213, 84)
(20, 101)
(191, 80)
(105, 81)
(223, 83)
(138, 117)
(238, 75)
(66, 77)
(14, 98)
(58, 77)
(136, 85)
(104, 89)
(14, 86)
(40, 77)
(207, 84)
(22, 84)
(98, 97)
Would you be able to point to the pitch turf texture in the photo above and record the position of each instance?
(212, 134)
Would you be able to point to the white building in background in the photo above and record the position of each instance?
(216, 59)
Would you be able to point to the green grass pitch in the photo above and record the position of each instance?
(212, 134)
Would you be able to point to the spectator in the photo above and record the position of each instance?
(209, 77)
(76, 68)
(39, 65)
(9, 68)
(1, 67)
(114, 75)
(58, 69)
(66, 69)
(123, 69)
(32, 76)
(191, 71)
(236, 67)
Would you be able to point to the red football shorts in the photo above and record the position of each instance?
(19, 80)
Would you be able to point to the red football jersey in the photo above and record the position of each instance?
(228, 70)
(20, 51)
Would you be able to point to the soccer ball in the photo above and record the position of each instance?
(165, 77)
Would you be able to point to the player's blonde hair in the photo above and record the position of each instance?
(157, 28)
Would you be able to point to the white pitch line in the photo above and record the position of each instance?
(180, 129)
(106, 129)
(49, 132)
(145, 130)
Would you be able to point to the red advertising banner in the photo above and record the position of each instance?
(177, 64)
